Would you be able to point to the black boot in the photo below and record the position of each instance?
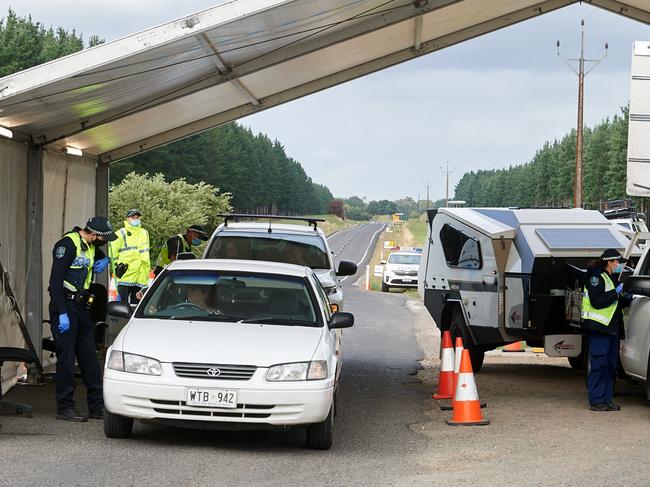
(71, 415)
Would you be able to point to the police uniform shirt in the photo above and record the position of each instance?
(63, 255)
(601, 299)
(175, 246)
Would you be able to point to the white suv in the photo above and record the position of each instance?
(304, 245)
(227, 341)
(401, 270)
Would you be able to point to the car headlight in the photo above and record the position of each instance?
(136, 364)
(315, 370)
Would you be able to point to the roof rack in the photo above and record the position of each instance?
(236, 216)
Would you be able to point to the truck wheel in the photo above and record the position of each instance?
(384, 287)
(116, 426)
(459, 329)
(581, 361)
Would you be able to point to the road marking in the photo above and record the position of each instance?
(368, 248)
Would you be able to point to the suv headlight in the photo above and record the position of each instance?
(136, 364)
(315, 370)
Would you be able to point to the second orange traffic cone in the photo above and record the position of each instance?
(467, 407)
(446, 377)
(513, 347)
(458, 353)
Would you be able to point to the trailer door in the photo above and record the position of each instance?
(517, 288)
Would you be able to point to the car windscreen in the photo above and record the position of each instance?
(404, 259)
(231, 297)
(304, 250)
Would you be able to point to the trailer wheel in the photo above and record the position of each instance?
(647, 381)
(458, 328)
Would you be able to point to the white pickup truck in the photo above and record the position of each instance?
(635, 349)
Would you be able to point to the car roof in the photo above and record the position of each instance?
(264, 227)
(405, 253)
(235, 265)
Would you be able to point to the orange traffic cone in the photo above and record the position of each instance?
(467, 407)
(458, 352)
(112, 290)
(446, 377)
(514, 347)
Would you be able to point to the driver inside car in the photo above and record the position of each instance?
(200, 296)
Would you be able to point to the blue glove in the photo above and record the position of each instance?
(100, 265)
(64, 323)
(619, 288)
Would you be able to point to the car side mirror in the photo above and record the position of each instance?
(186, 256)
(341, 320)
(638, 285)
(346, 268)
(118, 309)
(383, 262)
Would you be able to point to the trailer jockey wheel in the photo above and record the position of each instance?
(458, 328)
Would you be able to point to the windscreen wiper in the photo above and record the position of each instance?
(279, 321)
(209, 317)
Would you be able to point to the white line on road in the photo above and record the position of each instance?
(368, 249)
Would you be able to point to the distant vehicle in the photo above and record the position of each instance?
(623, 213)
(271, 241)
(227, 342)
(401, 270)
(499, 275)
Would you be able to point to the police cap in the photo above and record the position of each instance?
(100, 225)
(133, 212)
(612, 254)
(200, 231)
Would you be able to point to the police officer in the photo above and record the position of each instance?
(179, 244)
(75, 258)
(130, 253)
(602, 316)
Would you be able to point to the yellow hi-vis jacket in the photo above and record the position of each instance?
(132, 248)
(603, 316)
(80, 273)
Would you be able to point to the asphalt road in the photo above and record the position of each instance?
(389, 432)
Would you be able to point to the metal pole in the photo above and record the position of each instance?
(577, 201)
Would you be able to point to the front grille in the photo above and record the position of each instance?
(406, 273)
(214, 371)
(256, 411)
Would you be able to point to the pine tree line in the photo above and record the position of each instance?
(253, 168)
(548, 179)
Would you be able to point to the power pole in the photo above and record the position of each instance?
(447, 172)
(578, 193)
(427, 205)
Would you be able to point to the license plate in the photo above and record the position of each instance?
(216, 398)
(406, 279)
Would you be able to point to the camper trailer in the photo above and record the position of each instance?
(499, 275)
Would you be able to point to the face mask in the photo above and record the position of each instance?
(99, 242)
(196, 241)
(135, 223)
(618, 269)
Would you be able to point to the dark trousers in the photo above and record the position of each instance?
(603, 360)
(127, 293)
(78, 342)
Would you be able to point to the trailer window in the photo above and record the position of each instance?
(460, 249)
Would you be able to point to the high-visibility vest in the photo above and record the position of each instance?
(132, 248)
(80, 272)
(163, 256)
(603, 316)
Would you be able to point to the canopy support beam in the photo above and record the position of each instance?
(333, 80)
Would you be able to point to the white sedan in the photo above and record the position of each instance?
(227, 341)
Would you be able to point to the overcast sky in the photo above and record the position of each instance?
(487, 103)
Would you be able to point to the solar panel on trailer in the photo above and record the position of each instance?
(578, 238)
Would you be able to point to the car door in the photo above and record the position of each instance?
(635, 349)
